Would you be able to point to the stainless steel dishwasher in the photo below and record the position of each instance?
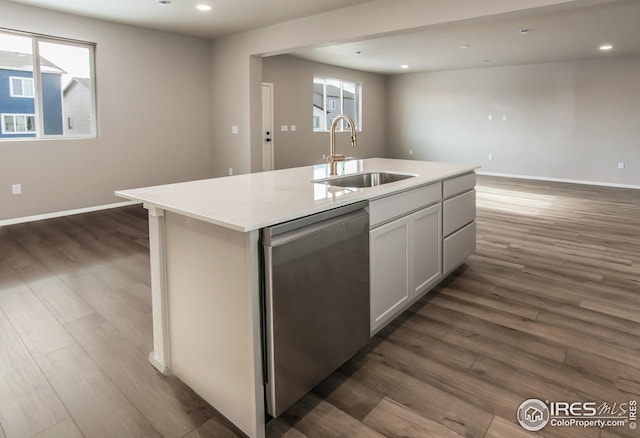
(316, 300)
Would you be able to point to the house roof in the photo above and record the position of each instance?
(24, 61)
(82, 81)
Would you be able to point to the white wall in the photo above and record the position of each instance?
(569, 120)
(153, 109)
(293, 103)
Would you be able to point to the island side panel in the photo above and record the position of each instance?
(214, 317)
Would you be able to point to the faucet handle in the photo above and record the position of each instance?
(336, 157)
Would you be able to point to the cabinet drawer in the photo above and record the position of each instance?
(457, 247)
(458, 212)
(385, 209)
(459, 184)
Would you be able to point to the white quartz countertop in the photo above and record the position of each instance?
(253, 201)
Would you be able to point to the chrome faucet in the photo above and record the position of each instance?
(334, 158)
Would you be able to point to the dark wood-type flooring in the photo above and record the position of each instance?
(548, 307)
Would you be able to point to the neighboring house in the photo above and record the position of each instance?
(17, 96)
(77, 106)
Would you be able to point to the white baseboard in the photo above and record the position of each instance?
(563, 180)
(38, 217)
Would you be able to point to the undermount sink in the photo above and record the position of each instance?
(361, 180)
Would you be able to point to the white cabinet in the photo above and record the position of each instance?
(389, 267)
(458, 216)
(406, 260)
(416, 237)
(425, 255)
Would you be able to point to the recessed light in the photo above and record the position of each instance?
(164, 2)
(524, 31)
(404, 66)
(486, 61)
(606, 47)
(358, 52)
(203, 7)
(464, 46)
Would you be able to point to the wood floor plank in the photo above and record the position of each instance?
(66, 429)
(97, 406)
(352, 397)
(623, 377)
(453, 412)
(36, 326)
(278, 428)
(61, 301)
(625, 312)
(28, 404)
(392, 419)
(123, 308)
(467, 328)
(501, 428)
(213, 428)
(172, 410)
(316, 418)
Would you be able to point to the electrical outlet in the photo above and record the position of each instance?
(504, 117)
(490, 117)
(230, 171)
(490, 157)
(16, 189)
(410, 151)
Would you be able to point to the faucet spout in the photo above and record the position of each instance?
(334, 158)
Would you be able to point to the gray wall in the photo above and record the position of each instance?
(235, 71)
(293, 99)
(153, 112)
(567, 121)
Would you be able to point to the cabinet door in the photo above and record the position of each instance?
(425, 248)
(389, 255)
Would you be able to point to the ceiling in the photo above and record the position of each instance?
(181, 16)
(535, 37)
(564, 34)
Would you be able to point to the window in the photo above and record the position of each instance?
(18, 123)
(47, 87)
(21, 87)
(332, 97)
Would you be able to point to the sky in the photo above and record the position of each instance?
(74, 60)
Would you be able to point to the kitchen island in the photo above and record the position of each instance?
(205, 265)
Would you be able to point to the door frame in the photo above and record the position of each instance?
(267, 118)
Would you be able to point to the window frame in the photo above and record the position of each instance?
(358, 104)
(22, 79)
(40, 134)
(16, 132)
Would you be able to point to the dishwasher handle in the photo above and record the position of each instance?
(275, 235)
(271, 240)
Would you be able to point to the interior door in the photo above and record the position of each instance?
(267, 126)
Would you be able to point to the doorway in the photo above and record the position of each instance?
(267, 126)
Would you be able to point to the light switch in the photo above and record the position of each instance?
(292, 128)
(504, 117)
(284, 128)
(490, 117)
(234, 129)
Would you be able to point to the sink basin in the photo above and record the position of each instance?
(361, 180)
